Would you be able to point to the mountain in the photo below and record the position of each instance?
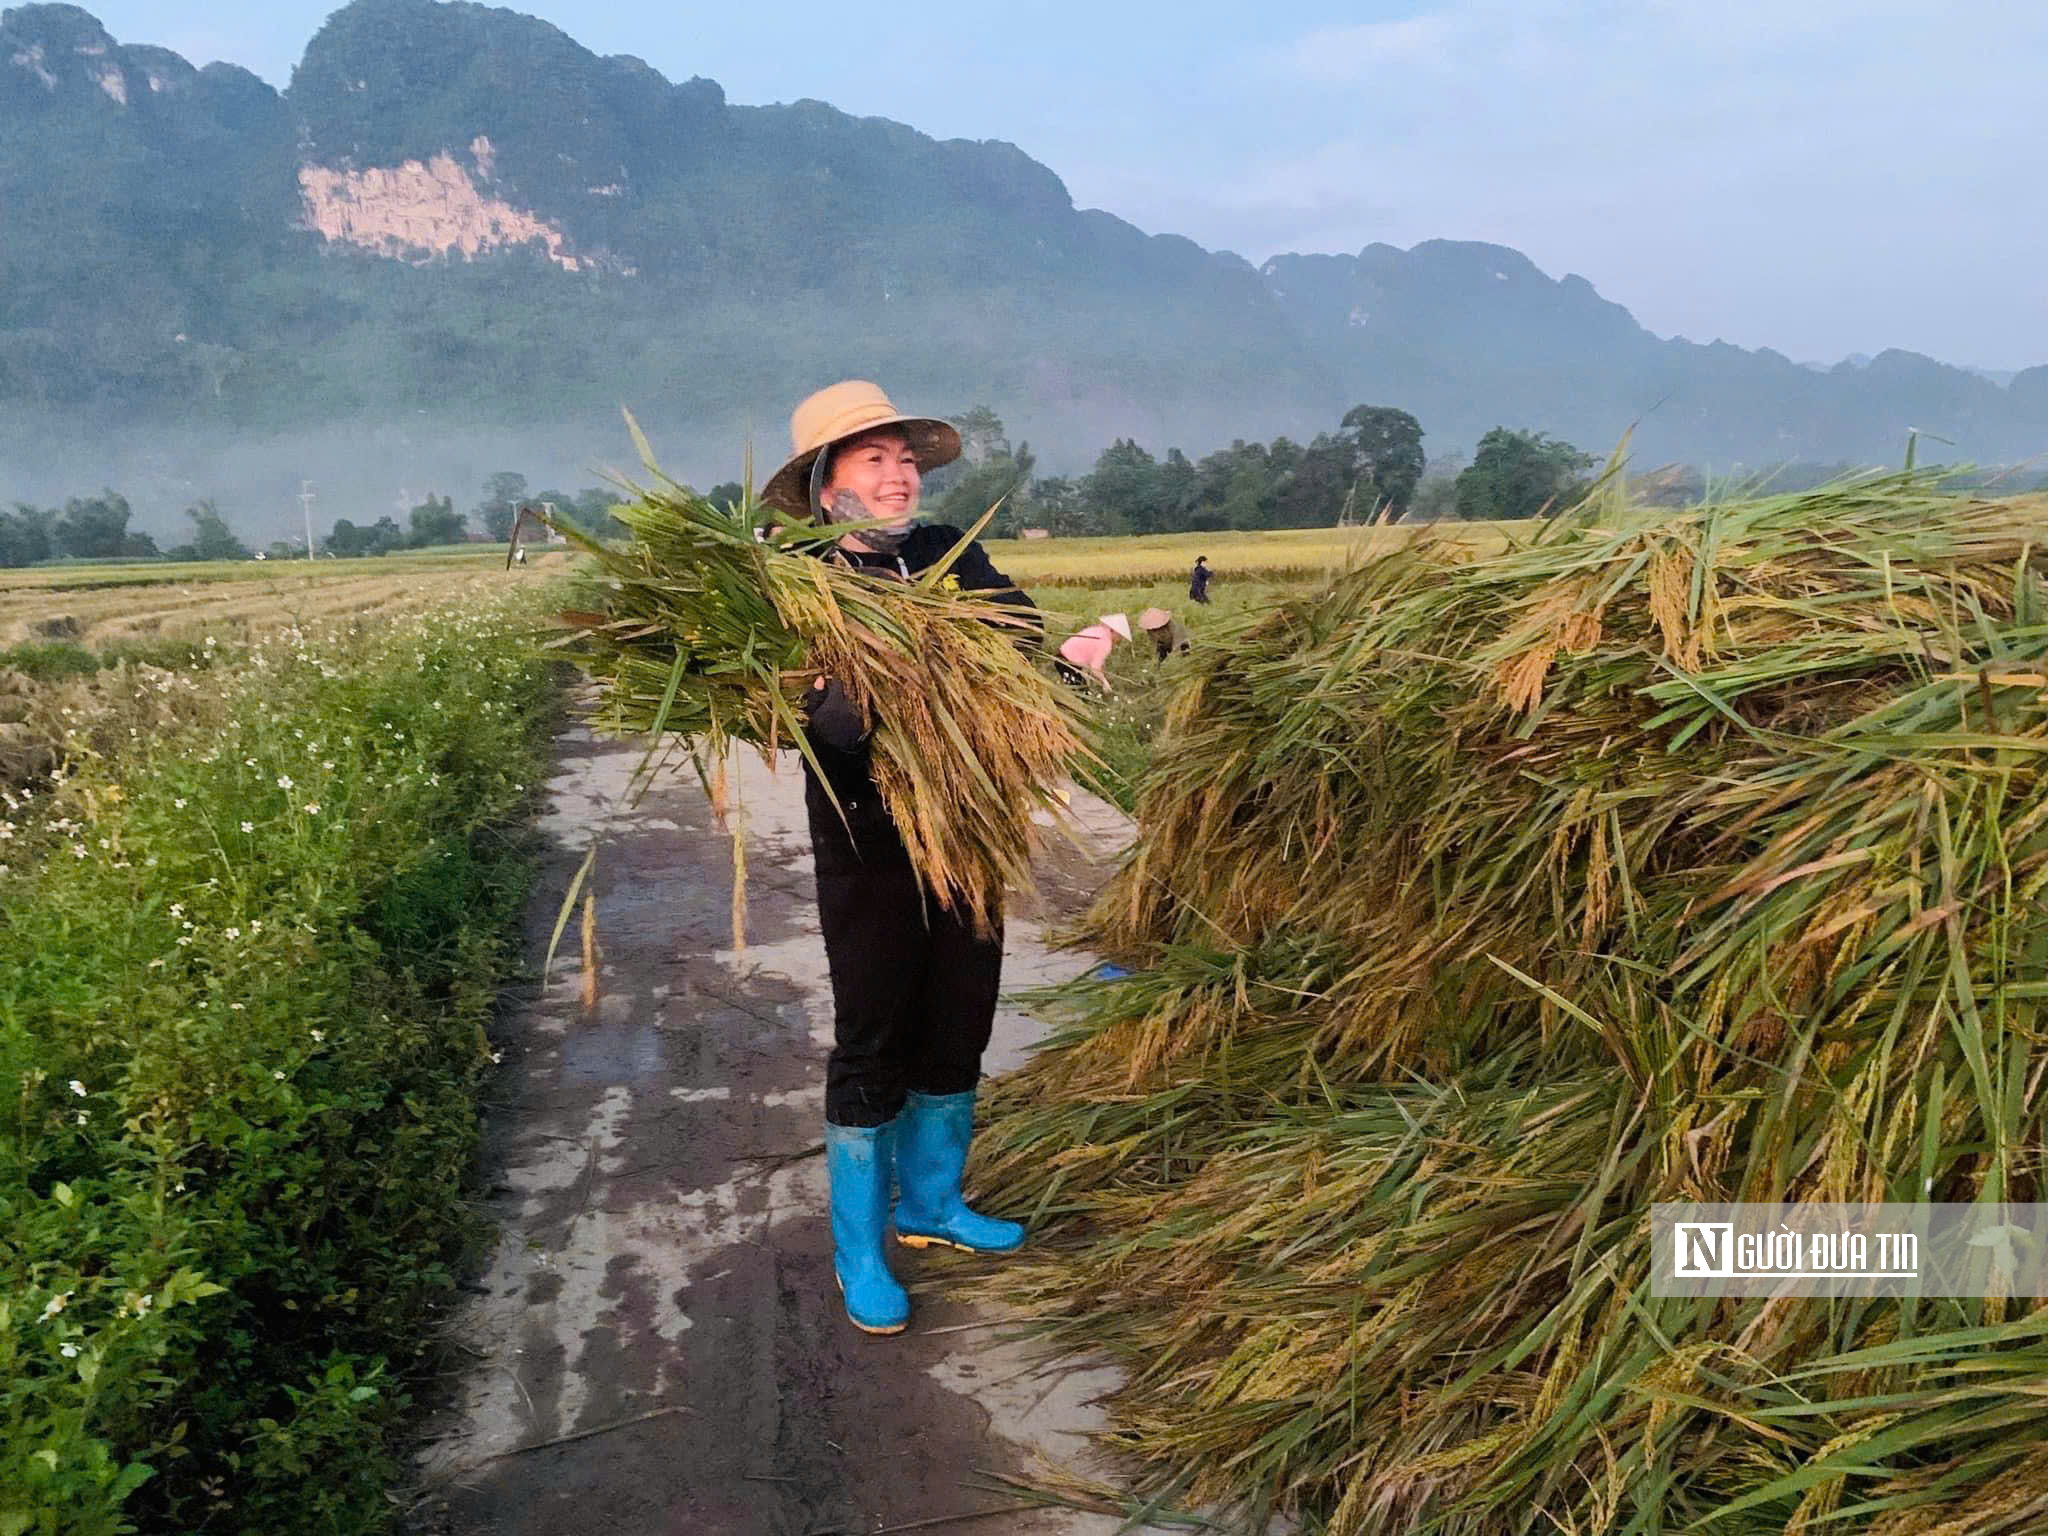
(459, 214)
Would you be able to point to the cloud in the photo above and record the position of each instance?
(1351, 54)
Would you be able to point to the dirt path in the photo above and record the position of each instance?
(663, 1274)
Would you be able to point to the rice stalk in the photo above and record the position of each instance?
(1480, 904)
(697, 631)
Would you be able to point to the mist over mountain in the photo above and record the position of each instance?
(458, 229)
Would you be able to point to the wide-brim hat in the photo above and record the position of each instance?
(848, 409)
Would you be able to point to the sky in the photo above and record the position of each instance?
(1825, 177)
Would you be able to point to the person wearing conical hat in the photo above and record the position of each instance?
(1085, 653)
(1166, 635)
(913, 987)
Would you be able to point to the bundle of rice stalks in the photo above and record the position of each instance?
(1482, 906)
(700, 632)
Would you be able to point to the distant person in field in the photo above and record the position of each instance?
(1084, 654)
(1165, 634)
(1198, 583)
(913, 986)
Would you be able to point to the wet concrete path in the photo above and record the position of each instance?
(661, 1288)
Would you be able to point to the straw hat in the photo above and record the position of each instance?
(1154, 618)
(844, 410)
(1117, 622)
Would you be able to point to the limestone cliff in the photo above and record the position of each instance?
(418, 211)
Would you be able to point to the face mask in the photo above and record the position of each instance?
(848, 508)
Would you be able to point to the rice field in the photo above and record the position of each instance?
(1290, 554)
(100, 604)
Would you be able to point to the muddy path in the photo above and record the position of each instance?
(656, 1344)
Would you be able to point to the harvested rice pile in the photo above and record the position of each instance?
(1478, 906)
(699, 633)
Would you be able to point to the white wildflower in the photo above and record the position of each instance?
(78, 1088)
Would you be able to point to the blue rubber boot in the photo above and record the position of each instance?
(932, 1135)
(858, 1159)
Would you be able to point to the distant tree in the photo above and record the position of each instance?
(1236, 487)
(1004, 477)
(981, 434)
(435, 521)
(1434, 501)
(345, 539)
(503, 493)
(1387, 455)
(727, 493)
(592, 511)
(1122, 490)
(139, 546)
(1671, 485)
(25, 535)
(1519, 474)
(1179, 489)
(1058, 505)
(348, 541)
(92, 528)
(212, 538)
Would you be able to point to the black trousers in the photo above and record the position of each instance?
(913, 989)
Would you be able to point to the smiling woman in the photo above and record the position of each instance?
(914, 979)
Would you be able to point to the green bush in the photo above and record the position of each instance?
(56, 661)
(50, 661)
(244, 995)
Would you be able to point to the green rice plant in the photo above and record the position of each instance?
(1481, 904)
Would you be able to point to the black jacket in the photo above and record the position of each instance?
(833, 726)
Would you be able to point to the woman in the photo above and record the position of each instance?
(913, 987)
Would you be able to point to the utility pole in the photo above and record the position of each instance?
(306, 506)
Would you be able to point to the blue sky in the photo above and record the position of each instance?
(1820, 176)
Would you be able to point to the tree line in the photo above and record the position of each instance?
(435, 521)
(96, 528)
(1370, 468)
